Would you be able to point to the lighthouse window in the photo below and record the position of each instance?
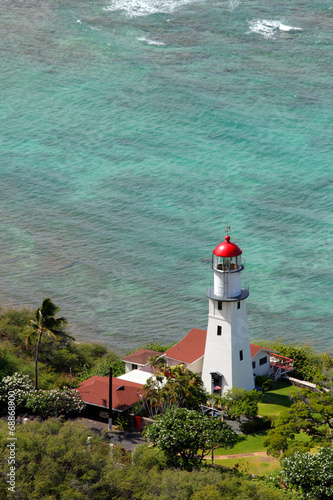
(263, 361)
(219, 330)
(219, 305)
(240, 355)
(238, 305)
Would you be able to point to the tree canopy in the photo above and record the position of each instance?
(240, 402)
(181, 433)
(172, 387)
(311, 412)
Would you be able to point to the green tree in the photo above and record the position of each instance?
(309, 474)
(53, 461)
(311, 412)
(307, 363)
(156, 362)
(240, 402)
(173, 387)
(181, 433)
(45, 322)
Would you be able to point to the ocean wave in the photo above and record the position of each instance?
(150, 42)
(135, 8)
(268, 28)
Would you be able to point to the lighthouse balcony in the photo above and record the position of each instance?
(245, 292)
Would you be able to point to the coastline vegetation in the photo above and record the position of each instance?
(56, 460)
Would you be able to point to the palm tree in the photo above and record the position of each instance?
(156, 362)
(45, 322)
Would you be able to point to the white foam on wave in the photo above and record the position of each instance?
(150, 42)
(135, 8)
(268, 28)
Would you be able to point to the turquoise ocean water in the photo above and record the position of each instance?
(134, 131)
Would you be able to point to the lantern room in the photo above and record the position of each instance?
(227, 256)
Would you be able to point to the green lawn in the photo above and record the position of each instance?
(250, 444)
(260, 466)
(273, 403)
(276, 400)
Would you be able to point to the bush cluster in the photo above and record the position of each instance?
(255, 425)
(54, 402)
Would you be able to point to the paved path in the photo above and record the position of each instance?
(128, 440)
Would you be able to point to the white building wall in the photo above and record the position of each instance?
(222, 352)
(261, 369)
(196, 367)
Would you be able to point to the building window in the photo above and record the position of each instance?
(253, 364)
(241, 355)
(263, 361)
(238, 304)
(134, 367)
(219, 330)
(219, 305)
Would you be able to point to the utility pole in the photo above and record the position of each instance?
(110, 400)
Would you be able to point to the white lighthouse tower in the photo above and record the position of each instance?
(227, 360)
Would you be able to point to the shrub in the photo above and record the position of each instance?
(55, 402)
(148, 457)
(255, 425)
(264, 382)
(18, 383)
(310, 474)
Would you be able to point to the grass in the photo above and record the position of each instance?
(259, 466)
(250, 444)
(276, 400)
(273, 403)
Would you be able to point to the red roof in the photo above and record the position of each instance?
(256, 348)
(95, 391)
(227, 249)
(191, 348)
(140, 357)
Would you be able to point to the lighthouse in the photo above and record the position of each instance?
(227, 360)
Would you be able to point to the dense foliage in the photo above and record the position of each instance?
(54, 402)
(172, 387)
(311, 412)
(56, 461)
(309, 474)
(19, 385)
(61, 362)
(153, 346)
(181, 433)
(240, 402)
(308, 364)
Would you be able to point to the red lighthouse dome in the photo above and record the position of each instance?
(227, 249)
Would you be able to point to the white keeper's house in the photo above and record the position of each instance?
(223, 355)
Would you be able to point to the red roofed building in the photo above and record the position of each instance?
(189, 351)
(138, 358)
(95, 393)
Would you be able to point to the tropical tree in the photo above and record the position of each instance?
(46, 323)
(181, 433)
(173, 387)
(156, 362)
